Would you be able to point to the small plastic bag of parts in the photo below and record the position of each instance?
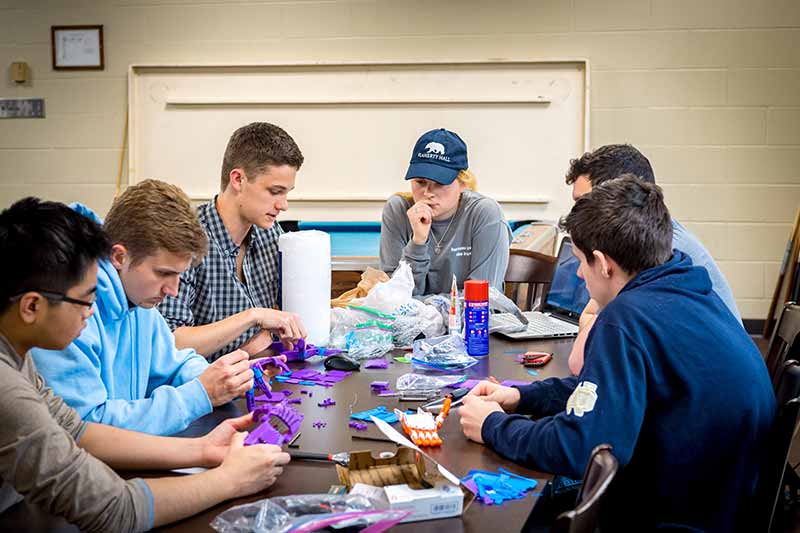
(422, 383)
(502, 303)
(442, 353)
(369, 340)
(308, 512)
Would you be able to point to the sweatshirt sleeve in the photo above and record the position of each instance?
(397, 244)
(171, 366)
(607, 406)
(41, 461)
(491, 239)
(76, 374)
(547, 397)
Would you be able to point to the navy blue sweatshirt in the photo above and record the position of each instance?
(673, 382)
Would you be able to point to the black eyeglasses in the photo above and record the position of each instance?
(56, 297)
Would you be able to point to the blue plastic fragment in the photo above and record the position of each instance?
(496, 488)
(379, 412)
(533, 372)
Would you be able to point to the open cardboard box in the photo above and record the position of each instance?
(410, 479)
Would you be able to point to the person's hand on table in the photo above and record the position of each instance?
(216, 443)
(506, 397)
(249, 469)
(473, 412)
(287, 326)
(228, 377)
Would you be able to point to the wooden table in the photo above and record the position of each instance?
(457, 454)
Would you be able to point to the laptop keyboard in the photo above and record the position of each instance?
(539, 325)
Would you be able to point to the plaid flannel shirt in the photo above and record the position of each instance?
(211, 291)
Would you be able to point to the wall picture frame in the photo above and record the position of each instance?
(77, 47)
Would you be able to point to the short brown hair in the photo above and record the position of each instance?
(154, 215)
(255, 147)
(609, 162)
(626, 219)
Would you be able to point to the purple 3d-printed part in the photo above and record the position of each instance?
(387, 392)
(379, 385)
(303, 391)
(514, 383)
(294, 400)
(274, 361)
(275, 397)
(467, 384)
(277, 425)
(327, 402)
(301, 351)
(376, 363)
(319, 424)
(358, 426)
(250, 400)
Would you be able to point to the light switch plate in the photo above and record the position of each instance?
(21, 107)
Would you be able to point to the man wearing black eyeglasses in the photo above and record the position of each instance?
(48, 455)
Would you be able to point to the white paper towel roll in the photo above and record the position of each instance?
(306, 280)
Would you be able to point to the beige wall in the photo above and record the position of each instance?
(709, 89)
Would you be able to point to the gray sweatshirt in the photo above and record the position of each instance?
(474, 246)
(40, 459)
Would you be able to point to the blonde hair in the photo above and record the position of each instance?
(154, 215)
(466, 178)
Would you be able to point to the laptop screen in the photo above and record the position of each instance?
(567, 291)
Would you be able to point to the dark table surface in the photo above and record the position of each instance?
(457, 453)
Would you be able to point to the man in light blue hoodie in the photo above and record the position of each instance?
(124, 369)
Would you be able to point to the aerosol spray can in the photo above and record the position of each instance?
(476, 317)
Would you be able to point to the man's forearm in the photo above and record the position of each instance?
(178, 497)
(210, 338)
(130, 450)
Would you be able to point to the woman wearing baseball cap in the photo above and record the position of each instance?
(444, 226)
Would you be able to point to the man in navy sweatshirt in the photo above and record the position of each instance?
(670, 378)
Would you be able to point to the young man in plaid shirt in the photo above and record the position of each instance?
(228, 300)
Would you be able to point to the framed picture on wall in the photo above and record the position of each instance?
(77, 47)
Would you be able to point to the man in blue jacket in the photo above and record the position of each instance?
(124, 369)
(671, 380)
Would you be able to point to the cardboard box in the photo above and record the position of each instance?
(410, 479)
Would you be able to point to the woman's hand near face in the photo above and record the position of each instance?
(420, 216)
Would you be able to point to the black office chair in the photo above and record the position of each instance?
(599, 474)
(776, 473)
(785, 342)
(528, 277)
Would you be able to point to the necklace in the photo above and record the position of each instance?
(437, 246)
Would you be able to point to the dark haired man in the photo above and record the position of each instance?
(609, 162)
(671, 379)
(228, 301)
(47, 454)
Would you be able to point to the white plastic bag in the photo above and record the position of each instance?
(389, 295)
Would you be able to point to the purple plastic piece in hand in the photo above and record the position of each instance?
(281, 415)
(274, 361)
(327, 402)
(301, 351)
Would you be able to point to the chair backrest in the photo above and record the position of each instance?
(599, 474)
(528, 276)
(775, 456)
(785, 342)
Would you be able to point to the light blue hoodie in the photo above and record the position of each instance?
(124, 369)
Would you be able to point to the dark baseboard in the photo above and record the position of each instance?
(753, 326)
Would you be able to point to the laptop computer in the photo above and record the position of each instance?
(562, 306)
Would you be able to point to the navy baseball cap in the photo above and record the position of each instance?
(439, 155)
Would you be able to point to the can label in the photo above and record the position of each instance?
(476, 327)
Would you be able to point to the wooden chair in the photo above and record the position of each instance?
(528, 277)
(776, 473)
(600, 472)
(785, 342)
